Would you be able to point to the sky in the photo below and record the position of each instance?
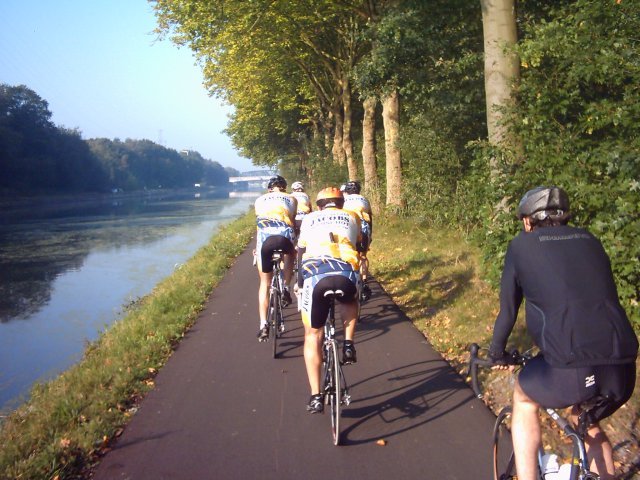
(104, 72)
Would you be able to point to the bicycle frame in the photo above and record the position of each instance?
(275, 319)
(580, 461)
(334, 383)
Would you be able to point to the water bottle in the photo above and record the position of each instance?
(549, 466)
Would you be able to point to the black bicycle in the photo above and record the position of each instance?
(334, 385)
(504, 467)
(275, 317)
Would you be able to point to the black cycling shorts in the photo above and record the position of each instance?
(553, 387)
(320, 304)
(271, 244)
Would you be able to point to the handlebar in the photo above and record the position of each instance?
(514, 358)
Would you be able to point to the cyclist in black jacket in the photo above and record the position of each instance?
(587, 345)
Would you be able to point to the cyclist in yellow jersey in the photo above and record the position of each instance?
(304, 203)
(275, 212)
(330, 261)
(358, 204)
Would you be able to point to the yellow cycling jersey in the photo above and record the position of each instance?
(331, 232)
(304, 203)
(359, 205)
(276, 206)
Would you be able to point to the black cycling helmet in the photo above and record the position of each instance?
(352, 186)
(277, 181)
(552, 200)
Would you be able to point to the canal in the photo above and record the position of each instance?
(68, 268)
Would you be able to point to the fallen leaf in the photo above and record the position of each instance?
(382, 442)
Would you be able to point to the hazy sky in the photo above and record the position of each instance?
(101, 69)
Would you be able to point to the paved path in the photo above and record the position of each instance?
(224, 409)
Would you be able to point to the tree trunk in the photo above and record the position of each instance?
(347, 142)
(369, 161)
(338, 149)
(501, 68)
(391, 122)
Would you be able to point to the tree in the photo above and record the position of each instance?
(501, 69)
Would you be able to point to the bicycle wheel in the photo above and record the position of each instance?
(504, 465)
(275, 322)
(335, 395)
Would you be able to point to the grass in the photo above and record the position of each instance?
(69, 422)
(434, 276)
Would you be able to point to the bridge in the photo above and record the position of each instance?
(253, 176)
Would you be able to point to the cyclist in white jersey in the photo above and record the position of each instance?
(358, 204)
(275, 212)
(304, 203)
(330, 261)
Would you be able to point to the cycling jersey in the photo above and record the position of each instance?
(360, 206)
(572, 309)
(331, 233)
(304, 204)
(276, 206)
(275, 212)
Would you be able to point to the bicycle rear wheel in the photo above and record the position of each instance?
(334, 399)
(504, 465)
(273, 312)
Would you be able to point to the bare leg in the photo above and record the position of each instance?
(288, 268)
(263, 295)
(599, 449)
(525, 432)
(349, 314)
(313, 356)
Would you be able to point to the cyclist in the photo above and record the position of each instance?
(275, 212)
(358, 204)
(330, 261)
(587, 345)
(304, 203)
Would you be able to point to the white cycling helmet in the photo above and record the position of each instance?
(297, 187)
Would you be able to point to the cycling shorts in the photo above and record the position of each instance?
(272, 235)
(553, 387)
(321, 275)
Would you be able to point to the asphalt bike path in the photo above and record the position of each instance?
(223, 408)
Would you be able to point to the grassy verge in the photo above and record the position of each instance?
(69, 422)
(434, 277)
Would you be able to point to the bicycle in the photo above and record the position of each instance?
(334, 385)
(275, 318)
(577, 469)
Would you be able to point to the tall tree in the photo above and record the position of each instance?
(501, 70)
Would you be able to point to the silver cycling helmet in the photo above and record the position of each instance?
(297, 187)
(552, 201)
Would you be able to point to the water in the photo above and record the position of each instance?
(67, 270)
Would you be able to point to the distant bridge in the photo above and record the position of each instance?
(253, 177)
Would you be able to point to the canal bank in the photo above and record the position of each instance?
(70, 420)
(69, 268)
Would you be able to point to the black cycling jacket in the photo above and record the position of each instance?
(572, 309)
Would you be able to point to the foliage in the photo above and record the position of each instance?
(578, 114)
(38, 157)
(35, 156)
(68, 423)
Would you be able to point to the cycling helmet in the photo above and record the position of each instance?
(553, 201)
(352, 186)
(277, 181)
(297, 187)
(329, 195)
